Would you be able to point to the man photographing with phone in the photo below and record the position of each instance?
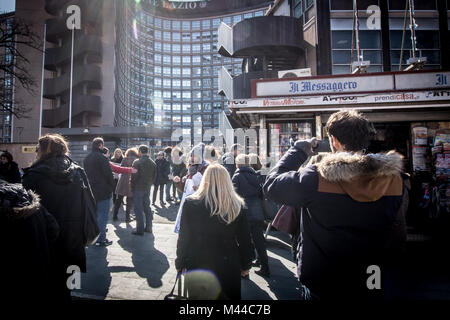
(349, 202)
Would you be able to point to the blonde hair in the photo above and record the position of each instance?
(115, 152)
(242, 160)
(217, 191)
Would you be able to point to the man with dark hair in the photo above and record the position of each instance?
(101, 180)
(229, 158)
(349, 201)
(140, 186)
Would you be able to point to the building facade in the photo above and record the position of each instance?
(167, 63)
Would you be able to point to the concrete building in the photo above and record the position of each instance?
(141, 69)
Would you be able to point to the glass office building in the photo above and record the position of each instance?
(167, 69)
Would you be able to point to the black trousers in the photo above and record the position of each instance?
(161, 192)
(257, 232)
(118, 203)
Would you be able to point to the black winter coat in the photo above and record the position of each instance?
(58, 182)
(144, 178)
(99, 174)
(228, 161)
(349, 205)
(248, 185)
(162, 171)
(28, 233)
(10, 172)
(206, 242)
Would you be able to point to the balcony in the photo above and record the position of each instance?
(89, 45)
(262, 36)
(57, 27)
(53, 7)
(240, 87)
(90, 75)
(80, 104)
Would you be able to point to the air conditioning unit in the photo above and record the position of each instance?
(294, 73)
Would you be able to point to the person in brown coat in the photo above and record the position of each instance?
(123, 188)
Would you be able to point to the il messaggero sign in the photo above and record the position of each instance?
(324, 86)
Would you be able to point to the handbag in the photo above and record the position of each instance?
(270, 208)
(91, 230)
(181, 294)
(286, 220)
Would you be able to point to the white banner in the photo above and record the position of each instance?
(343, 99)
(324, 85)
(422, 80)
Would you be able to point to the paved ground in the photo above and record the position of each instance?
(143, 268)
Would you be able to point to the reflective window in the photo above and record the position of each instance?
(158, 46)
(186, 48)
(166, 83)
(157, 34)
(176, 48)
(167, 71)
(158, 23)
(186, 71)
(157, 82)
(186, 37)
(176, 71)
(206, 24)
(186, 83)
(196, 36)
(186, 25)
(167, 47)
(196, 60)
(166, 24)
(195, 48)
(237, 19)
(176, 60)
(186, 94)
(187, 60)
(176, 36)
(176, 25)
(167, 36)
(157, 58)
(176, 83)
(216, 22)
(195, 25)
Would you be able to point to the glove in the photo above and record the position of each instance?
(307, 146)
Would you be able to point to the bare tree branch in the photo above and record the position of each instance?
(16, 40)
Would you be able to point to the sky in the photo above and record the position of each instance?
(7, 5)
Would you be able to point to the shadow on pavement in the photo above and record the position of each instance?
(148, 262)
(251, 291)
(169, 211)
(98, 273)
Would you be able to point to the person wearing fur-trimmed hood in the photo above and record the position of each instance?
(350, 202)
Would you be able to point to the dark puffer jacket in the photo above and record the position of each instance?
(58, 182)
(248, 185)
(28, 233)
(349, 202)
(99, 174)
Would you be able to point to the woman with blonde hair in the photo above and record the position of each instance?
(59, 182)
(123, 188)
(117, 159)
(214, 243)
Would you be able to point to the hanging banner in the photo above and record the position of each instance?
(343, 99)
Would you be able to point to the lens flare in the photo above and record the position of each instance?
(135, 29)
(202, 285)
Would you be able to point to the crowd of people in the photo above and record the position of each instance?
(349, 203)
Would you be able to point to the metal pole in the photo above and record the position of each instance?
(71, 79)
(358, 50)
(42, 83)
(412, 27)
(403, 36)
